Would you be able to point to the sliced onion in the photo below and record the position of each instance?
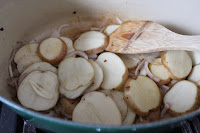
(56, 33)
(164, 89)
(119, 20)
(140, 65)
(163, 112)
(10, 61)
(77, 52)
(146, 66)
(173, 82)
(150, 56)
(95, 29)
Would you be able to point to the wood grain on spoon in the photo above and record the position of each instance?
(134, 37)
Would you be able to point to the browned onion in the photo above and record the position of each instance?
(77, 52)
(149, 72)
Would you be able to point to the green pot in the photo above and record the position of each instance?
(24, 19)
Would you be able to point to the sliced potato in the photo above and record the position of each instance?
(114, 70)
(158, 70)
(26, 50)
(68, 105)
(118, 97)
(195, 57)
(131, 61)
(69, 43)
(73, 94)
(75, 72)
(110, 28)
(26, 61)
(98, 77)
(52, 50)
(39, 90)
(142, 95)
(97, 108)
(178, 63)
(91, 42)
(194, 75)
(130, 118)
(183, 97)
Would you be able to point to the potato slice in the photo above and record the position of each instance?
(194, 75)
(73, 94)
(131, 61)
(26, 61)
(52, 50)
(142, 95)
(110, 28)
(26, 50)
(195, 57)
(69, 43)
(183, 97)
(159, 71)
(91, 42)
(98, 77)
(97, 108)
(114, 70)
(118, 97)
(75, 72)
(68, 105)
(39, 90)
(130, 118)
(178, 63)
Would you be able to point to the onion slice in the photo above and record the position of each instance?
(56, 33)
(140, 65)
(146, 66)
(77, 52)
(92, 56)
(164, 89)
(119, 20)
(163, 112)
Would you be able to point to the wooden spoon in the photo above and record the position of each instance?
(134, 37)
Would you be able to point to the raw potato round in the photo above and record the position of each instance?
(195, 57)
(75, 72)
(91, 42)
(26, 61)
(178, 63)
(195, 75)
(114, 70)
(73, 94)
(69, 43)
(26, 50)
(40, 66)
(131, 61)
(98, 77)
(130, 118)
(39, 90)
(97, 108)
(118, 97)
(183, 97)
(142, 95)
(52, 50)
(110, 28)
(68, 105)
(159, 71)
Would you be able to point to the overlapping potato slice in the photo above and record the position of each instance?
(69, 43)
(183, 97)
(39, 90)
(178, 63)
(130, 117)
(91, 42)
(52, 50)
(131, 61)
(73, 94)
(26, 50)
(195, 75)
(26, 61)
(195, 57)
(98, 77)
(110, 28)
(114, 70)
(75, 72)
(158, 70)
(142, 95)
(97, 108)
